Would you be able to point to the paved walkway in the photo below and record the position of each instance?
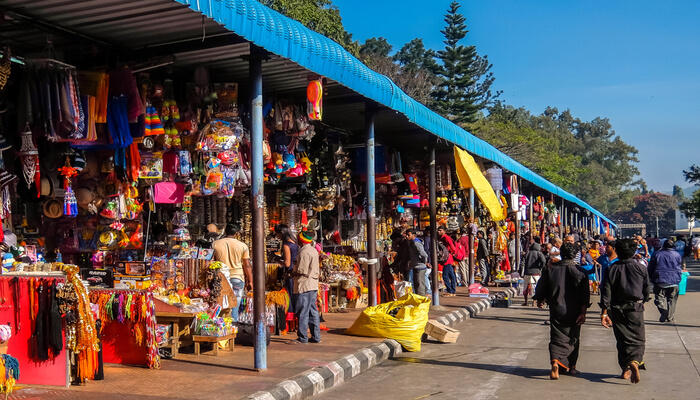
(502, 354)
(229, 374)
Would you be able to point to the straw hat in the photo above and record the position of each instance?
(84, 196)
(53, 208)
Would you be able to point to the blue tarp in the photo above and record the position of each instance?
(290, 39)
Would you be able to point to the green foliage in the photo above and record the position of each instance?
(691, 207)
(409, 68)
(586, 158)
(692, 174)
(319, 15)
(650, 206)
(465, 78)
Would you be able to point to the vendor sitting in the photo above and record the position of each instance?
(306, 273)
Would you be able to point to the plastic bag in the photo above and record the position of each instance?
(403, 320)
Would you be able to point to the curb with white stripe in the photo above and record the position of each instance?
(320, 379)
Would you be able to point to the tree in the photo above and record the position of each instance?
(465, 78)
(586, 158)
(408, 68)
(692, 174)
(414, 57)
(319, 15)
(691, 207)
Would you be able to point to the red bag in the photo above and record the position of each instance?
(168, 193)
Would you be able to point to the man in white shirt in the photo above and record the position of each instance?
(235, 255)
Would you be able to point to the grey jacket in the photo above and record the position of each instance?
(417, 255)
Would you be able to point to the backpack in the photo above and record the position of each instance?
(443, 253)
(460, 252)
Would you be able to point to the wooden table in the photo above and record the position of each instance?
(181, 327)
(212, 339)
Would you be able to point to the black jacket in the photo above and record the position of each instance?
(565, 288)
(535, 260)
(626, 285)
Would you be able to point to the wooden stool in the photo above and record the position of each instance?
(212, 339)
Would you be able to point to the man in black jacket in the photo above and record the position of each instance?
(564, 287)
(535, 261)
(626, 287)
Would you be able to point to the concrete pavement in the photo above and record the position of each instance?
(502, 354)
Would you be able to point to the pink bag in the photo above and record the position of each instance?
(168, 193)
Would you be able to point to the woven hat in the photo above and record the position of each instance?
(306, 237)
(84, 197)
(53, 208)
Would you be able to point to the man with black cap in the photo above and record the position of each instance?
(665, 270)
(564, 287)
(626, 287)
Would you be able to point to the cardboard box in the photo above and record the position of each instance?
(441, 332)
(132, 282)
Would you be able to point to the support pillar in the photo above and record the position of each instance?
(433, 226)
(517, 242)
(371, 216)
(472, 247)
(257, 200)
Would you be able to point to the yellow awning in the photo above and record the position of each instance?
(470, 176)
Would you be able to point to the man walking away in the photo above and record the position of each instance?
(665, 269)
(535, 262)
(626, 288)
(564, 287)
(417, 260)
(234, 254)
(482, 254)
(306, 273)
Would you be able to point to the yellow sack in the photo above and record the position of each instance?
(406, 327)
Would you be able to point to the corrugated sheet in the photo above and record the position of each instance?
(290, 39)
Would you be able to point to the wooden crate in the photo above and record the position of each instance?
(441, 332)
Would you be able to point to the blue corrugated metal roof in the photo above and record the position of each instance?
(290, 39)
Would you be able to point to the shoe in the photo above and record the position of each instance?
(524, 304)
(572, 371)
(314, 341)
(297, 341)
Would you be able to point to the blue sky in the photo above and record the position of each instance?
(637, 63)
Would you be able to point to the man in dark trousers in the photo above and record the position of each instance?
(665, 270)
(482, 257)
(564, 287)
(626, 288)
(535, 262)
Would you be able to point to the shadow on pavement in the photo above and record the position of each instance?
(525, 372)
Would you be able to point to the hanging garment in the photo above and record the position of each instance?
(118, 123)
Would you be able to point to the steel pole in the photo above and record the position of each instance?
(371, 217)
(257, 200)
(472, 248)
(433, 225)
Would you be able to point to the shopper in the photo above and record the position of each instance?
(462, 256)
(235, 256)
(417, 260)
(290, 250)
(534, 263)
(625, 289)
(306, 273)
(564, 287)
(447, 261)
(482, 255)
(665, 269)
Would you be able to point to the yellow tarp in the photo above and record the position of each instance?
(470, 176)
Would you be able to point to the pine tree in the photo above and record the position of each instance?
(465, 77)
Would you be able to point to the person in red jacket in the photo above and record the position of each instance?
(446, 259)
(463, 256)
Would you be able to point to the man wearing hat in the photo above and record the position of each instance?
(665, 270)
(306, 272)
